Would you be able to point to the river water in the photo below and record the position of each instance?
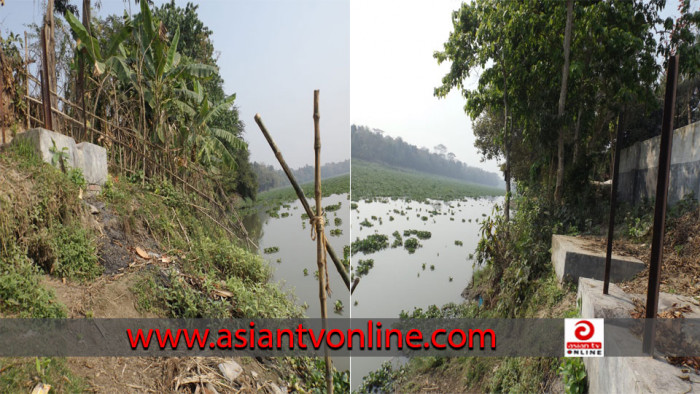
(436, 273)
(291, 235)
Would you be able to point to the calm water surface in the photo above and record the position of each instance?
(401, 281)
(292, 235)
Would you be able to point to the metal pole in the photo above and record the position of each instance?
(613, 205)
(657, 242)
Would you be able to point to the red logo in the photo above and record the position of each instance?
(584, 330)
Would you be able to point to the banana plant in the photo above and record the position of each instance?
(153, 67)
(89, 46)
(207, 145)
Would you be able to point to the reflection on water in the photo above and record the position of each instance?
(436, 273)
(294, 265)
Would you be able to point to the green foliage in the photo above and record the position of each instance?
(376, 180)
(40, 221)
(373, 146)
(312, 372)
(381, 380)
(517, 51)
(373, 243)
(22, 375)
(76, 254)
(183, 301)
(421, 234)
(75, 175)
(331, 186)
(210, 256)
(363, 267)
(21, 293)
(573, 374)
(271, 249)
(59, 157)
(366, 223)
(398, 240)
(226, 260)
(171, 83)
(338, 306)
(269, 177)
(411, 244)
(333, 207)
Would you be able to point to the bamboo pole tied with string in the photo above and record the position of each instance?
(317, 226)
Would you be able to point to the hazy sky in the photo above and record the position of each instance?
(371, 59)
(393, 74)
(273, 54)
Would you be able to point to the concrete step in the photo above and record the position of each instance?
(575, 258)
(641, 374)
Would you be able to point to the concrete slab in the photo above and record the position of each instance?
(42, 140)
(631, 374)
(90, 158)
(574, 258)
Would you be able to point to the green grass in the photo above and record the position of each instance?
(23, 374)
(211, 258)
(375, 180)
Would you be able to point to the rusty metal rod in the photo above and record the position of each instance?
(613, 206)
(657, 242)
(300, 194)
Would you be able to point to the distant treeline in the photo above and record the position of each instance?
(269, 177)
(373, 146)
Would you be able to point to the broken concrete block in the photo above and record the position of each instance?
(575, 258)
(92, 159)
(42, 141)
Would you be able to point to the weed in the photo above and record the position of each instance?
(373, 243)
(573, 374)
(22, 375)
(411, 244)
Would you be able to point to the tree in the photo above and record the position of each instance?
(607, 61)
(562, 99)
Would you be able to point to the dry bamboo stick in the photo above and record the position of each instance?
(26, 65)
(300, 194)
(321, 243)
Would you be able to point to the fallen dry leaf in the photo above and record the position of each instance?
(41, 388)
(223, 293)
(142, 253)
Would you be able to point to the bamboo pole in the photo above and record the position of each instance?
(300, 194)
(320, 243)
(26, 66)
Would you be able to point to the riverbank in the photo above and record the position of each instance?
(371, 180)
(135, 250)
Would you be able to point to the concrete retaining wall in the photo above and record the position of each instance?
(639, 167)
